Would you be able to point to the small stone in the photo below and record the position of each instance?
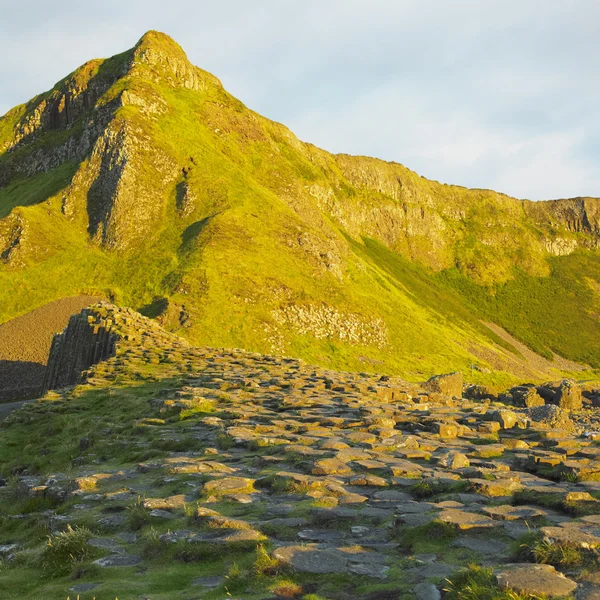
(453, 460)
(446, 431)
(506, 418)
(426, 591)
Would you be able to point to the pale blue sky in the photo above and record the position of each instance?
(481, 93)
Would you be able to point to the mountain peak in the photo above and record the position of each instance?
(156, 42)
(140, 178)
(168, 61)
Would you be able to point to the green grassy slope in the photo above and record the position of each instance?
(195, 209)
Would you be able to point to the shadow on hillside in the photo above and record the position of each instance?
(20, 380)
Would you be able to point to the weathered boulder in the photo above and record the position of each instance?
(526, 395)
(551, 416)
(446, 431)
(450, 384)
(569, 395)
(506, 418)
(566, 395)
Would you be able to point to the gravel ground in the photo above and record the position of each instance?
(25, 343)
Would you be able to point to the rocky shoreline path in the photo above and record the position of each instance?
(233, 474)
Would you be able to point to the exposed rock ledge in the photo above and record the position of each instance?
(96, 334)
(87, 339)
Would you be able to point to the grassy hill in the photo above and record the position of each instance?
(139, 178)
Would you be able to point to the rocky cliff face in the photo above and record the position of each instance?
(86, 340)
(139, 176)
(102, 117)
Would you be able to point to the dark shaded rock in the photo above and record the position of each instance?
(86, 341)
(526, 395)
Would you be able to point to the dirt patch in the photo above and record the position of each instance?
(25, 343)
(527, 366)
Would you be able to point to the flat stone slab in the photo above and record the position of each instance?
(570, 536)
(310, 559)
(526, 578)
(507, 512)
(377, 571)
(170, 503)
(465, 520)
(228, 485)
(313, 559)
(321, 535)
(217, 536)
(482, 546)
(118, 560)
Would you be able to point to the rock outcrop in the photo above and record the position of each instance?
(87, 340)
(566, 395)
(98, 333)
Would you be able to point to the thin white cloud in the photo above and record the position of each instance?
(498, 94)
